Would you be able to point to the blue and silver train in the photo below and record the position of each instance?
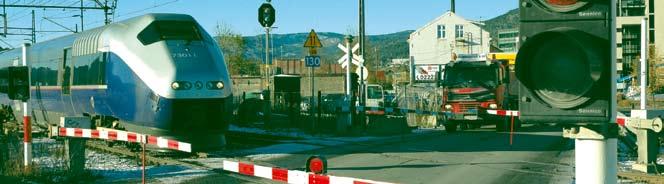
(158, 74)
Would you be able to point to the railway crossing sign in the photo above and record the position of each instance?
(357, 60)
(312, 61)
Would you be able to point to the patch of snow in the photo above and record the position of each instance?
(214, 163)
(278, 151)
(114, 168)
(267, 156)
(322, 142)
(279, 132)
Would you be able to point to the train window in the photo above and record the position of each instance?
(169, 30)
(44, 73)
(90, 69)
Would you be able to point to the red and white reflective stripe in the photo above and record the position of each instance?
(289, 176)
(125, 136)
(503, 112)
(622, 120)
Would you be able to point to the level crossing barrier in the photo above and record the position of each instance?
(289, 176)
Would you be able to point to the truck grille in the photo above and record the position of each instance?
(465, 107)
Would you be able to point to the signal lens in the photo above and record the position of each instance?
(562, 66)
(561, 2)
(316, 165)
(563, 5)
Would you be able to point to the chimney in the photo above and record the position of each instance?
(452, 7)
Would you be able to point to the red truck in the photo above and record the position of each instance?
(475, 83)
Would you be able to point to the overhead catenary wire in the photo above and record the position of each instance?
(16, 14)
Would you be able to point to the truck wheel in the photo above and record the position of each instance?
(464, 126)
(451, 127)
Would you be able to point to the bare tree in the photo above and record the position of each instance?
(233, 46)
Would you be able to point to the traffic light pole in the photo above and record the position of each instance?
(596, 153)
(27, 127)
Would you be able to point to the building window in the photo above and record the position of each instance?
(631, 44)
(652, 36)
(458, 31)
(441, 31)
(632, 7)
(651, 6)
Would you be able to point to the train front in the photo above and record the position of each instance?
(181, 88)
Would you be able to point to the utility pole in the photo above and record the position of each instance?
(362, 43)
(4, 18)
(34, 32)
(349, 94)
(82, 16)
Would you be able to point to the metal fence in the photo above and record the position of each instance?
(419, 98)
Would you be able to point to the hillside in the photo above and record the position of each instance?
(509, 20)
(289, 46)
(387, 46)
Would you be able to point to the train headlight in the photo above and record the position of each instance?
(493, 106)
(215, 85)
(181, 85)
(175, 85)
(448, 107)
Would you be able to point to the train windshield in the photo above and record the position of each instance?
(170, 30)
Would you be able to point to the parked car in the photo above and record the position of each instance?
(305, 105)
(331, 102)
(250, 109)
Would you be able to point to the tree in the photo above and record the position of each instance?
(655, 81)
(233, 46)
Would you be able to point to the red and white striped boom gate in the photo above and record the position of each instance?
(118, 135)
(290, 176)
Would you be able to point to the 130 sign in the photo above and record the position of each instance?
(312, 61)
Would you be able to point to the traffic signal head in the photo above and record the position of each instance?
(19, 83)
(565, 65)
(266, 15)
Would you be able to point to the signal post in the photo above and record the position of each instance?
(266, 17)
(312, 61)
(567, 72)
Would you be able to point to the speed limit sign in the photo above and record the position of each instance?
(312, 61)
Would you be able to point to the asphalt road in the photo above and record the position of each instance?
(537, 155)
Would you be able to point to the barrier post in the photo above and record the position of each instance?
(75, 147)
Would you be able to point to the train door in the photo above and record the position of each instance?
(64, 79)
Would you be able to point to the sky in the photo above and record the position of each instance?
(292, 16)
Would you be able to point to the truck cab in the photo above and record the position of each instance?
(471, 85)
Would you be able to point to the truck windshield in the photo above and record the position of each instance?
(374, 92)
(471, 76)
